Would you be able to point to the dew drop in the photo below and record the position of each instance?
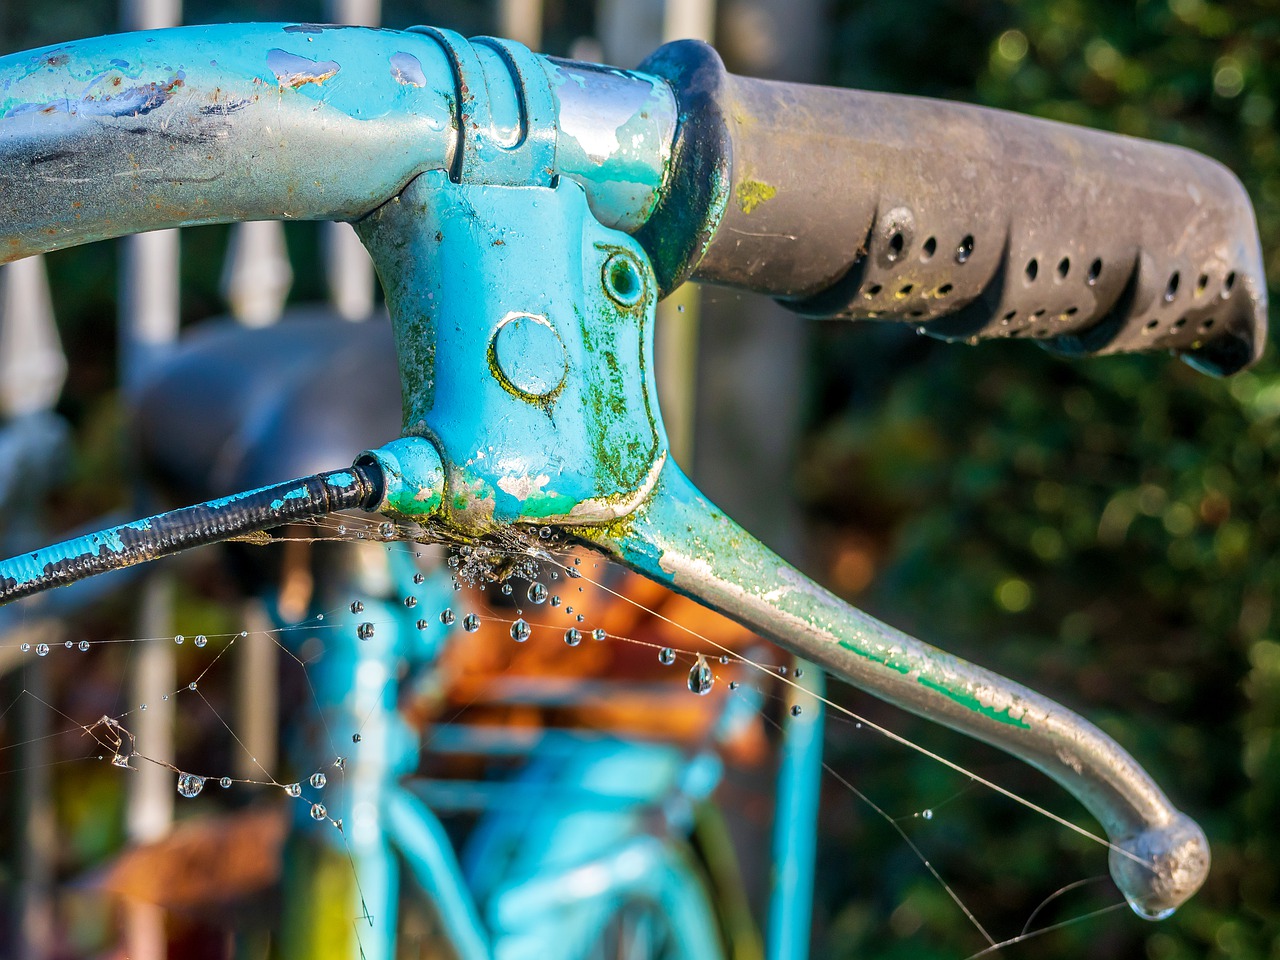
(357, 606)
(387, 530)
(201, 640)
(42, 649)
(340, 763)
(26, 647)
(423, 624)
(84, 646)
(318, 812)
(457, 585)
(1147, 914)
(225, 783)
(573, 636)
(796, 710)
(179, 639)
(191, 685)
(365, 630)
(520, 631)
(447, 616)
(568, 610)
(418, 578)
(318, 780)
(555, 601)
(580, 618)
(537, 592)
(245, 633)
(165, 698)
(142, 706)
(68, 644)
(342, 529)
(545, 533)
(782, 671)
(666, 656)
(120, 760)
(189, 785)
(356, 738)
(410, 602)
(926, 814)
(471, 623)
(506, 589)
(293, 789)
(799, 672)
(701, 679)
(724, 658)
(733, 684)
(598, 633)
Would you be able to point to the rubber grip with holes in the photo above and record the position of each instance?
(969, 222)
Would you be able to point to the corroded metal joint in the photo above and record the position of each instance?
(413, 480)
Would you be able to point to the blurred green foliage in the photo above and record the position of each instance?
(1106, 531)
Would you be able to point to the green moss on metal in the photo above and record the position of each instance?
(752, 193)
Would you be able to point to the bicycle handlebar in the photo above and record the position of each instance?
(835, 201)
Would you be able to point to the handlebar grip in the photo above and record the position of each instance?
(969, 222)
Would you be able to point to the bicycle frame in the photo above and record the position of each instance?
(525, 215)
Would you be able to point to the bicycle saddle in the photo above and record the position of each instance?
(232, 408)
(525, 213)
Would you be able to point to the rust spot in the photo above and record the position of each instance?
(76, 204)
(116, 81)
(294, 71)
(57, 59)
(499, 243)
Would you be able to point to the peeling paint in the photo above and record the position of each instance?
(294, 71)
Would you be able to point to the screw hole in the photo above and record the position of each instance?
(1202, 284)
(965, 249)
(1033, 267)
(622, 280)
(1228, 282)
(1207, 325)
(944, 289)
(1071, 311)
(1009, 316)
(1039, 313)
(896, 243)
(1179, 323)
(872, 290)
(929, 249)
(1064, 267)
(1171, 290)
(916, 313)
(1095, 270)
(906, 289)
(1151, 325)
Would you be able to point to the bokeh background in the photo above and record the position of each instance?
(1105, 531)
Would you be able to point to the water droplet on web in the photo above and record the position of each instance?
(506, 589)
(365, 630)
(555, 601)
(411, 602)
(799, 672)
(293, 789)
(225, 783)
(545, 533)
(201, 640)
(537, 592)
(357, 606)
(120, 760)
(356, 738)
(446, 616)
(165, 698)
(598, 633)
(418, 578)
(318, 812)
(926, 814)
(387, 530)
(423, 624)
(25, 647)
(733, 684)
(796, 710)
(471, 623)
(191, 685)
(453, 563)
(666, 656)
(245, 633)
(68, 644)
(568, 610)
(520, 631)
(701, 679)
(573, 636)
(84, 646)
(457, 585)
(142, 706)
(580, 618)
(189, 785)
(340, 763)
(724, 658)
(782, 671)
(342, 529)
(179, 638)
(318, 780)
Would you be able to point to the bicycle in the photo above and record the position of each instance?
(469, 188)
